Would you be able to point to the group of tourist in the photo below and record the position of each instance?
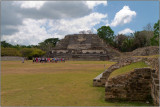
(45, 60)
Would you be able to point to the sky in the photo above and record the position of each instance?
(31, 22)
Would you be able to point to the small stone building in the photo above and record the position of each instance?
(83, 47)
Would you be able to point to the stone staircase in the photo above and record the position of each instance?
(101, 79)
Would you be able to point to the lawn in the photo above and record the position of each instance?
(127, 69)
(54, 84)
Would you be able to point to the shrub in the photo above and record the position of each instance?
(10, 52)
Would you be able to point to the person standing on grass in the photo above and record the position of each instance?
(47, 59)
(55, 60)
(42, 59)
(33, 59)
(39, 59)
(63, 60)
(50, 59)
(22, 60)
(36, 60)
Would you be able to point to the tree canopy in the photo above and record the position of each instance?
(106, 33)
(155, 38)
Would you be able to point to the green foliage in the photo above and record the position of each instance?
(106, 33)
(139, 40)
(37, 53)
(5, 44)
(133, 41)
(120, 38)
(10, 52)
(48, 44)
(31, 52)
(127, 44)
(24, 52)
(155, 39)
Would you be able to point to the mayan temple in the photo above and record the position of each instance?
(83, 47)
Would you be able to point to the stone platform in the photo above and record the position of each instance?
(83, 47)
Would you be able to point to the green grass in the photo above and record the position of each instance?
(151, 56)
(127, 69)
(61, 84)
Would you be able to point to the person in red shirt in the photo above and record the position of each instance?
(36, 59)
(48, 59)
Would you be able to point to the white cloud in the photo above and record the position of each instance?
(76, 25)
(124, 16)
(34, 31)
(13, 14)
(126, 31)
(92, 4)
(31, 32)
(32, 22)
(30, 4)
(39, 4)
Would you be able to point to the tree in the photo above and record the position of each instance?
(48, 44)
(5, 44)
(120, 38)
(82, 32)
(37, 53)
(26, 52)
(139, 40)
(106, 33)
(155, 39)
(127, 44)
(31, 52)
(10, 52)
(86, 32)
(148, 27)
(148, 35)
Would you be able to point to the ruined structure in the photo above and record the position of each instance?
(83, 47)
(142, 84)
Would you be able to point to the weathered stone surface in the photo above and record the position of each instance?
(146, 51)
(83, 47)
(121, 63)
(154, 62)
(132, 86)
(137, 85)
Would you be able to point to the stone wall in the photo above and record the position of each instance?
(154, 62)
(11, 58)
(145, 51)
(138, 85)
(121, 63)
(134, 86)
(155, 88)
(78, 57)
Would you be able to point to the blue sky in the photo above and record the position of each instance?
(146, 12)
(31, 22)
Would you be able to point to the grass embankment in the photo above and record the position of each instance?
(50, 84)
(151, 56)
(127, 69)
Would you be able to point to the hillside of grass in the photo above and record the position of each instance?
(127, 69)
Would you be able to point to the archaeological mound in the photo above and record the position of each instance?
(83, 47)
